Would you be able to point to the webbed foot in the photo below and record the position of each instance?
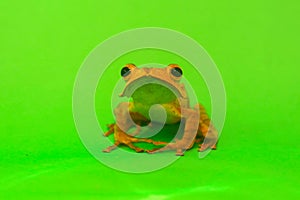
(179, 147)
(122, 138)
(205, 146)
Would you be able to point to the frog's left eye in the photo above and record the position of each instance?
(176, 71)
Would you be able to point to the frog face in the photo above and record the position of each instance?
(160, 83)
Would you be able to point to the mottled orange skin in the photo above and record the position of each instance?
(132, 114)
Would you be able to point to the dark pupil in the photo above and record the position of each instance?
(176, 71)
(125, 71)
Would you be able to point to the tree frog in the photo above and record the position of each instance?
(150, 86)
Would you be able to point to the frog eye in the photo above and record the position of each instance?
(176, 71)
(127, 69)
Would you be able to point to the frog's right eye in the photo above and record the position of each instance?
(127, 69)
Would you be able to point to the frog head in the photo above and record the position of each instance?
(154, 85)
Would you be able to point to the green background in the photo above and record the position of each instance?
(255, 45)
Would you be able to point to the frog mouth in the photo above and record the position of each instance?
(137, 83)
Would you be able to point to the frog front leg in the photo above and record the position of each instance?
(191, 119)
(207, 134)
(125, 119)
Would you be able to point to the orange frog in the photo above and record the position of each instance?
(151, 86)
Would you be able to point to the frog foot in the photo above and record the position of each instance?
(129, 143)
(207, 145)
(178, 146)
(121, 138)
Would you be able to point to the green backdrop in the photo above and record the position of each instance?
(255, 45)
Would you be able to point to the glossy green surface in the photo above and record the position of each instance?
(255, 45)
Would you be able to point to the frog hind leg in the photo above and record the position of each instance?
(121, 138)
(110, 130)
(207, 134)
(125, 119)
(107, 133)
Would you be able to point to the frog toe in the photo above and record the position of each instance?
(179, 152)
(203, 147)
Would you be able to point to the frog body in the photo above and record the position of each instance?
(150, 86)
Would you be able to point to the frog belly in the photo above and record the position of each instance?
(161, 113)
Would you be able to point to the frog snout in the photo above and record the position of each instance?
(147, 70)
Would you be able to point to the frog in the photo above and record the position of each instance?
(148, 86)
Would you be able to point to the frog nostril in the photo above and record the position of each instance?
(147, 70)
